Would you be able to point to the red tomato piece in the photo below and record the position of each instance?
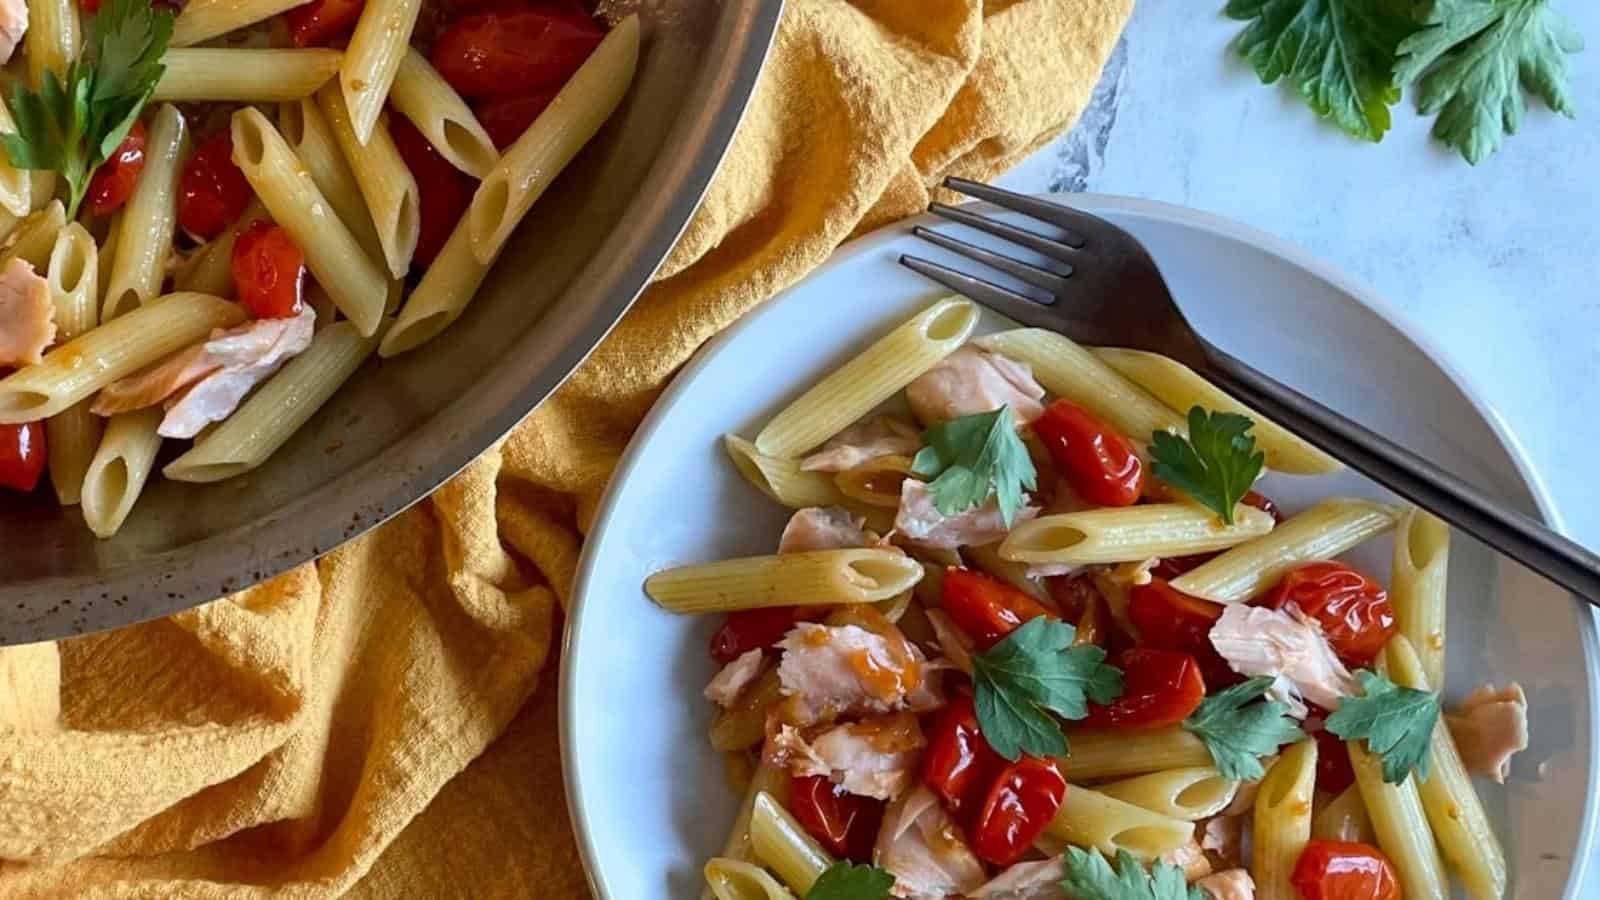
(847, 824)
(320, 21)
(22, 455)
(506, 118)
(1102, 466)
(1344, 870)
(443, 190)
(753, 629)
(1021, 802)
(1160, 687)
(269, 271)
(987, 609)
(1169, 619)
(493, 55)
(1334, 771)
(113, 183)
(212, 192)
(1173, 566)
(1353, 609)
(959, 765)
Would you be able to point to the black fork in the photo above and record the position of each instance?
(1107, 290)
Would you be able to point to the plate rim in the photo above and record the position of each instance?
(1354, 287)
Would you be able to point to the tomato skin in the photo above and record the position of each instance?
(113, 183)
(1173, 566)
(1021, 802)
(1344, 870)
(320, 21)
(986, 608)
(494, 54)
(1353, 609)
(959, 765)
(1102, 466)
(506, 118)
(212, 192)
(1169, 619)
(22, 455)
(443, 190)
(268, 271)
(1160, 688)
(847, 824)
(1334, 770)
(754, 629)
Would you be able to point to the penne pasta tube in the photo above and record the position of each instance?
(770, 780)
(1321, 532)
(52, 39)
(380, 42)
(1417, 586)
(1113, 754)
(875, 482)
(783, 846)
(573, 117)
(117, 349)
(861, 575)
(1401, 825)
(1191, 793)
(150, 218)
(1344, 818)
(744, 724)
(117, 474)
(36, 237)
(1089, 818)
(108, 252)
(387, 185)
(202, 20)
(72, 435)
(422, 95)
(449, 284)
(1130, 534)
(311, 138)
(244, 75)
(1181, 389)
(210, 269)
(16, 185)
(1283, 821)
(731, 879)
(782, 479)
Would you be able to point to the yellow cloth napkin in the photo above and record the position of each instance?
(370, 725)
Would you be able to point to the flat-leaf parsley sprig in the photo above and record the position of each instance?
(1216, 464)
(1035, 671)
(1238, 732)
(973, 457)
(1396, 722)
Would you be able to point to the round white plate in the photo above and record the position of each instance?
(647, 794)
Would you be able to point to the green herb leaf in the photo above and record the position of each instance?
(1238, 732)
(1090, 877)
(1035, 671)
(1338, 54)
(1396, 722)
(843, 881)
(1216, 464)
(1475, 57)
(972, 457)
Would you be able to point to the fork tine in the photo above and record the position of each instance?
(1019, 236)
(1002, 300)
(1077, 223)
(1043, 279)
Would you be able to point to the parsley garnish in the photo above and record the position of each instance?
(1090, 876)
(973, 457)
(1216, 464)
(73, 127)
(1034, 671)
(1238, 733)
(1397, 723)
(842, 881)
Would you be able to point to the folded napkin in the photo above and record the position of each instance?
(370, 725)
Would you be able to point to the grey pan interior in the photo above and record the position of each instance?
(402, 427)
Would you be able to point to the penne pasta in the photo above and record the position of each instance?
(1114, 754)
(52, 39)
(119, 469)
(424, 97)
(770, 780)
(36, 237)
(1177, 386)
(1191, 793)
(1321, 532)
(150, 218)
(782, 845)
(108, 252)
(1417, 586)
(1401, 825)
(210, 269)
(875, 482)
(1283, 821)
(120, 348)
(202, 20)
(863, 575)
(449, 284)
(381, 40)
(311, 138)
(782, 479)
(873, 376)
(387, 186)
(72, 435)
(244, 75)
(16, 185)
(1344, 818)
(731, 879)
(1089, 818)
(1130, 534)
(744, 724)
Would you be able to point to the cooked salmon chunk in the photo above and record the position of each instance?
(1288, 646)
(27, 317)
(249, 354)
(822, 528)
(732, 679)
(1489, 727)
(831, 670)
(864, 442)
(1036, 879)
(917, 519)
(1230, 884)
(875, 757)
(971, 381)
(13, 25)
(921, 846)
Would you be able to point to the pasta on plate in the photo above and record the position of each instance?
(210, 219)
(1031, 633)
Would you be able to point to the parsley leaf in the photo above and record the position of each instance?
(1478, 55)
(1338, 54)
(1238, 733)
(73, 125)
(973, 457)
(1216, 464)
(1034, 671)
(1090, 876)
(1397, 723)
(842, 881)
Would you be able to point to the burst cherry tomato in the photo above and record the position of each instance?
(1021, 802)
(847, 824)
(443, 190)
(268, 271)
(1160, 687)
(22, 455)
(1173, 566)
(494, 54)
(1353, 609)
(753, 629)
(1169, 619)
(506, 118)
(987, 609)
(212, 192)
(959, 765)
(114, 181)
(1343, 870)
(1102, 466)
(320, 21)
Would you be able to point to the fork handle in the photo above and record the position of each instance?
(1527, 541)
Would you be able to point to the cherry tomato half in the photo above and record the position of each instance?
(959, 765)
(1160, 687)
(1169, 619)
(1173, 566)
(1343, 870)
(494, 54)
(22, 455)
(1353, 609)
(1021, 802)
(506, 118)
(753, 629)
(320, 21)
(269, 271)
(845, 823)
(443, 190)
(212, 192)
(987, 609)
(114, 181)
(1102, 466)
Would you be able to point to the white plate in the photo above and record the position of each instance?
(647, 794)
